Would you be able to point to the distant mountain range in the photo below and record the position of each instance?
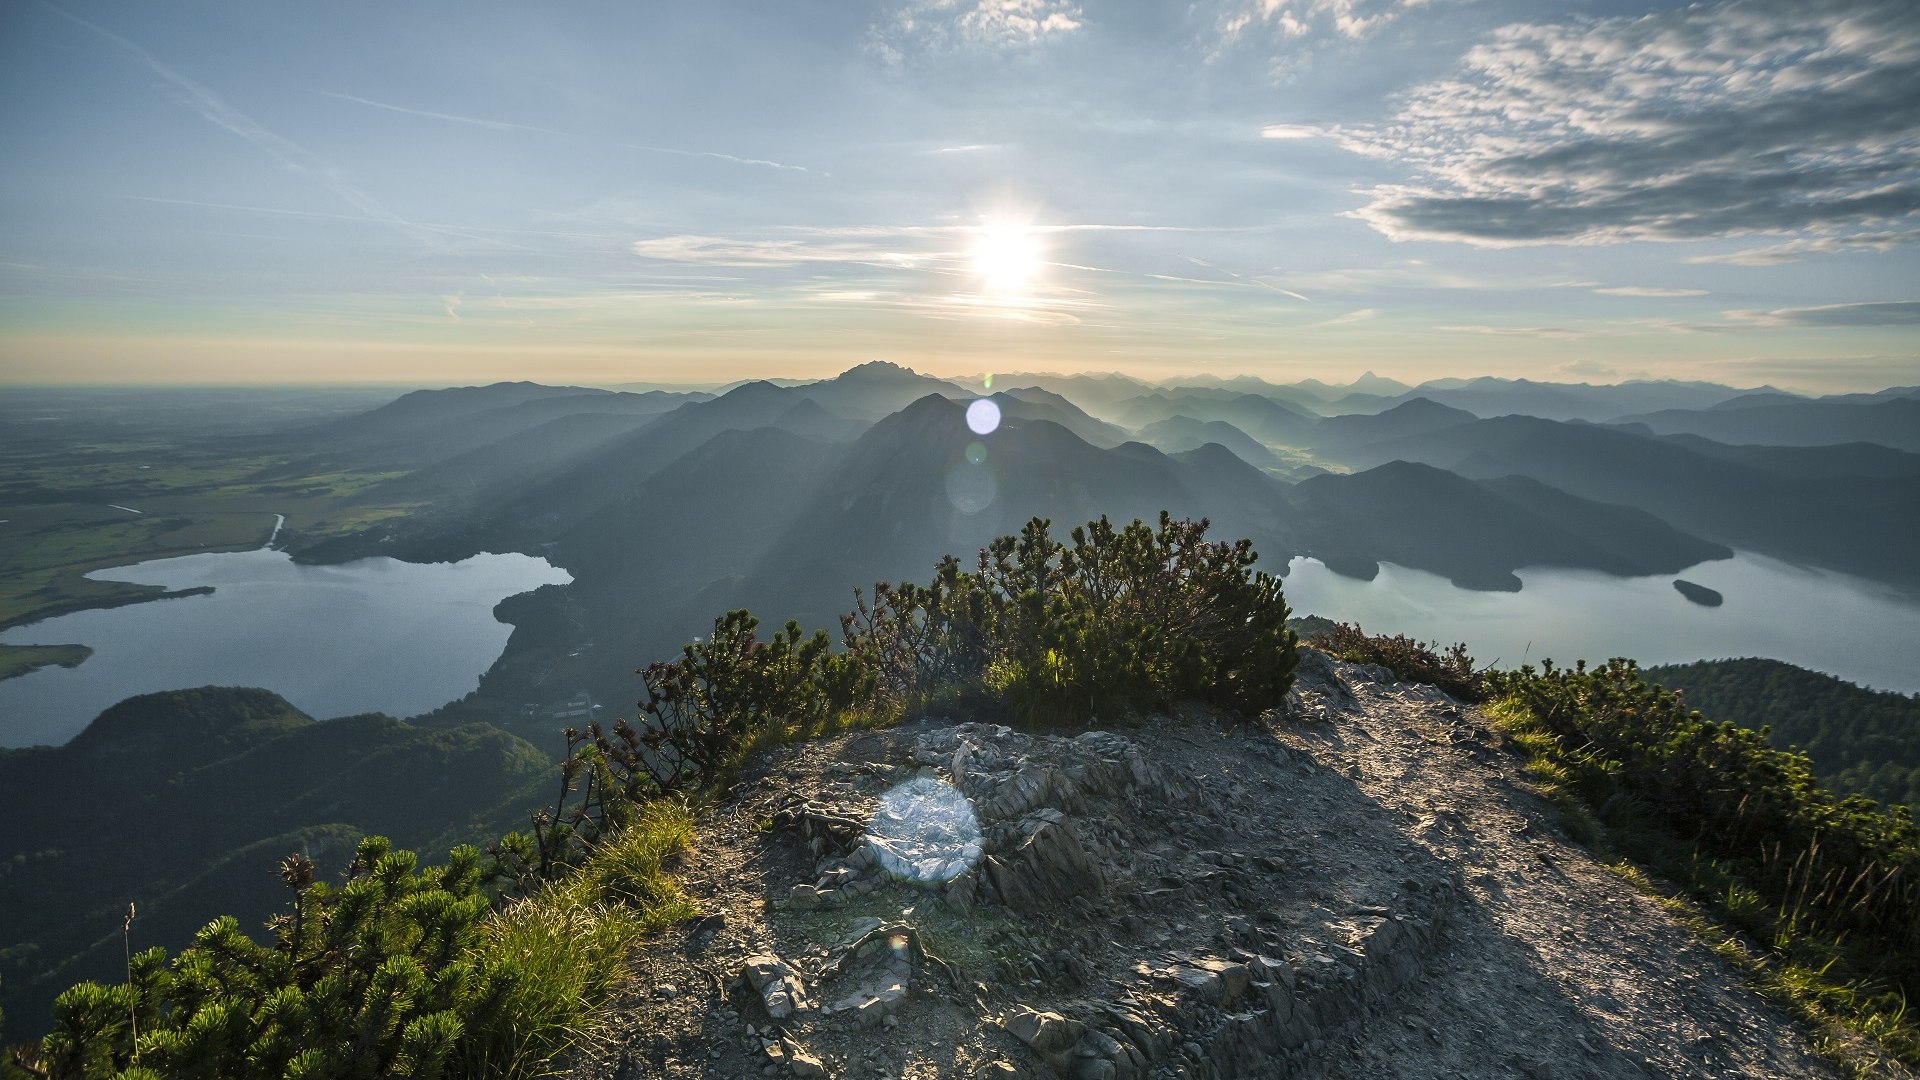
(668, 508)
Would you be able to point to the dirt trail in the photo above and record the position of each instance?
(1361, 889)
(1556, 967)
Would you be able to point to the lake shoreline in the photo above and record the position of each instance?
(370, 635)
(1848, 627)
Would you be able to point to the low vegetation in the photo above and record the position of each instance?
(454, 970)
(1825, 888)
(493, 963)
(1119, 621)
(1861, 741)
(1449, 668)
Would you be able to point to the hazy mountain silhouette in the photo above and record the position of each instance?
(875, 389)
(1863, 459)
(1180, 433)
(1263, 418)
(615, 470)
(1894, 423)
(1489, 396)
(1858, 524)
(1477, 534)
(432, 425)
(1032, 403)
(1096, 393)
(1413, 416)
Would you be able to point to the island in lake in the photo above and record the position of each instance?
(21, 659)
(1699, 594)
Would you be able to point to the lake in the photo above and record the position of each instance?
(376, 635)
(1858, 630)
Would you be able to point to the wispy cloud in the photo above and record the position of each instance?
(284, 151)
(1881, 313)
(1293, 131)
(1711, 120)
(503, 125)
(1551, 333)
(725, 251)
(1795, 250)
(1643, 290)
(1351, 317)
(1255, 281)
(483, 234)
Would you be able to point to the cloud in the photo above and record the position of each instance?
(1238, 279)
(724, 251)
(947, 25)
(1589, 367)
(1292, 131)
(1881, 313)
(1297, 18)
(1551, 333)
(1795, 250)
(1351, 317)
(1641, 290)
(1713, 120)
(503, 125)
(285, 152)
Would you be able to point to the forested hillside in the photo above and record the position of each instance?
(1861, 741)
(181, 802)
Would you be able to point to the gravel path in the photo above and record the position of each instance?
(1556, 966)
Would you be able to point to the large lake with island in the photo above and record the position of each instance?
(1858, 630)
(379, 635)
(375, 635)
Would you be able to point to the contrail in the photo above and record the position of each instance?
(283, 150)
(503, 125)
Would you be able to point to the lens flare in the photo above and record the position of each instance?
(971, 488)
(983, 416)
(924, 830)
(976, 453)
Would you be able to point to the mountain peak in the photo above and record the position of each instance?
(876, 370)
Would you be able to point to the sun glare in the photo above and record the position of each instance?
(1007, 258)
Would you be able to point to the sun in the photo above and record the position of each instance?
(1007, 257)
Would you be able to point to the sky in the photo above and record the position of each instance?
(604, 193)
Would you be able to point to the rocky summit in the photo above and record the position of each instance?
(1359, 887)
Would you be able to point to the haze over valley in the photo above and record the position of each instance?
(659, 509)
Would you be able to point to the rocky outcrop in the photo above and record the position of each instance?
(1360, 889)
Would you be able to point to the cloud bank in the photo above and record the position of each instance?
(1715, 120)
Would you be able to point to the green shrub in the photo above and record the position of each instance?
(397, 972)
(1120, 620)
(1829, 887)
(1450, 669)
(732, 691)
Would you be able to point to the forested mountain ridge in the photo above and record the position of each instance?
(794, 523)
(183, 800)
(1861, 741)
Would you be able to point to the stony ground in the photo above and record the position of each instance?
(1361, 888)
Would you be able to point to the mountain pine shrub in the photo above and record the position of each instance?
(396, 972)
(1827, 887)
(1450, 668)
(1120, 620)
